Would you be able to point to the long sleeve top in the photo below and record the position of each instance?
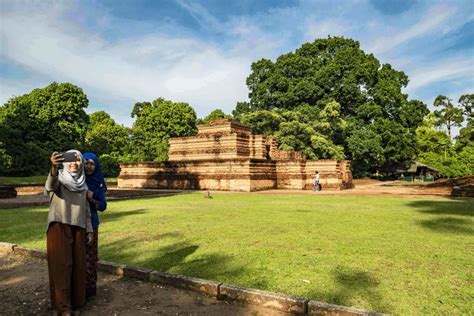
(67, 207)
(98, 204)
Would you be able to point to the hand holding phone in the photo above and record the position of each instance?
(68, 156)
(56, 158)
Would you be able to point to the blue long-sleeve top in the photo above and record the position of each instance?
(96, 183)
(98, 204)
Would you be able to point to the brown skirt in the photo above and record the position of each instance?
(66, 245)
(92, 264)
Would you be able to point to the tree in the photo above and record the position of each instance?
(412, 114)
(42, 121)
(216, 114)
(465, 138)
(263, 122)
(339, 90)
(324, 148)
(240, 109)
(296, 136)
(466, 102)
(436, 150)
(330, 122)
(104, 136)
(398, 143)
(431, 140)
(155, 123)
(449, 114)
(367, 153)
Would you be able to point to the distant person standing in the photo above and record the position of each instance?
(96, 197)
(317, 185)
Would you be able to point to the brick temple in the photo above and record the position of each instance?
(225, 155)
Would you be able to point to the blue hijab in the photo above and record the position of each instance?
(95, 180)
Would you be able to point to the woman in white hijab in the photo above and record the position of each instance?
(68, 229)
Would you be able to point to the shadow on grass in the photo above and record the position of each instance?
(353, 285)
(181, 257)
(116, 216)
(450, 217)
(449, 225)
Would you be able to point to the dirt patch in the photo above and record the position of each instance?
(364, 181)
(386, 188)
(24, 291)
(469, 180)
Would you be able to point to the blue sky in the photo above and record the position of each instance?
(200, 52)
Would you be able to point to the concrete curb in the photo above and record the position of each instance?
(281, 302)
(29, 252)
(184, 282)
(110, 267)
(319, 308)
(277, 301)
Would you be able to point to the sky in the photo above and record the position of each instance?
(200, 52)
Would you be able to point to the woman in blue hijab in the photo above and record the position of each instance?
(96, 197)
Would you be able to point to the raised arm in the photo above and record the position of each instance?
(52, 182)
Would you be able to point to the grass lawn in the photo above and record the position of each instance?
(32, 180)
(388, 254)
(22, 180)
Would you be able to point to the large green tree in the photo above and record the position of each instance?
(346, 93)
(466, 103)
(214, 115)
(108, 140)
(435, 149)
(155, 123)
(37, 123)
(449, 115)
(105, 136)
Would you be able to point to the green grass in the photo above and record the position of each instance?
(388, 254)
(22, 180)
(32, 180)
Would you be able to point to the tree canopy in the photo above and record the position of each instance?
(328, 99)
(449, 115)
(105, 136)
(214, 115)
(155, 123)
(342, 93)
(40, 122)
(435, 147)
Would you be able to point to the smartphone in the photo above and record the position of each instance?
(68, 156)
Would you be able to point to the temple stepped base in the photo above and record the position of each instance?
(232, 175)
(226, 156)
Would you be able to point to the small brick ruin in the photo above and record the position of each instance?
(226, 156)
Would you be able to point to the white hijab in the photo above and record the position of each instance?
(73, 181)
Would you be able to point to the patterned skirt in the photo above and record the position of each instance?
(92, 259)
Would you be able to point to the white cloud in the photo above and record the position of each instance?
(314, 29)
(156, 60)
(432, 20)
(447, 70)
(142, 68)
